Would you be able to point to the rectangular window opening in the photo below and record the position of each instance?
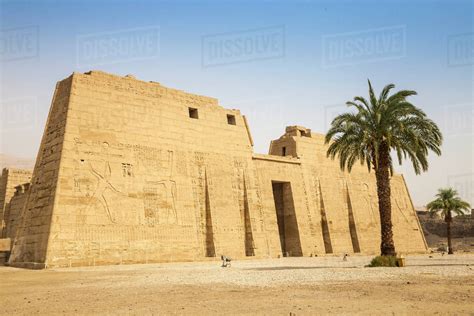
(193, 113)
(231, 119)
(283, 151)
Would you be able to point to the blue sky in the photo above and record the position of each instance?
(301, 80)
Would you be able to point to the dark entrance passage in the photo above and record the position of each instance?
(286, 218)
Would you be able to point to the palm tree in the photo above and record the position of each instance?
(369, 135)
(447, 202)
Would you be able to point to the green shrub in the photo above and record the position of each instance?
(384, 261)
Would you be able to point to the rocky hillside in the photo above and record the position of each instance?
(462, 230)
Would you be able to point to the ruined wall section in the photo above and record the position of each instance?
(9, 179)
(14, 210)
(31, 242)
(3, 188)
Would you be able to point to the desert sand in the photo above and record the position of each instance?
(301, 286)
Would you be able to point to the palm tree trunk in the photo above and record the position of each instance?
(382, 174)
(448, 228)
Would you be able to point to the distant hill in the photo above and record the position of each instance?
(462, 230)
(9, 161)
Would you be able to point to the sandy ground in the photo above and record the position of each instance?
(296, 286)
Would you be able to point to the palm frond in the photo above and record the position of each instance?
(447, 201)
(381, 125)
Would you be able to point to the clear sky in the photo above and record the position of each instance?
(280, 62)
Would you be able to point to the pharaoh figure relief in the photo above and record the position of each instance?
(104, 193)
(371, 205)
(96, 183)
(139, 190)
(160, 192)
(402, 205)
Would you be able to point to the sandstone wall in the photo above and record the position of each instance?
(9, 179)
(344, 205)
(14, 211)
(34, 232)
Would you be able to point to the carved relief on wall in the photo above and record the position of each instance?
(199, 199)
(402, 205)
(149, 158)
(238, 179)
(370, 202)
(181, 163)
(160, 202)
(306, 181)
(128, 184)
(160, 195)
(104, 191)
(94, 185)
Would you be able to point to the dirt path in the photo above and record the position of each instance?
(301, 286)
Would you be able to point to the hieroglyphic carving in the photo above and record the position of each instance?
(306, 182)
(150, 197)
(160, 202)
(238, 186)
(199, 184)
(198, 201)
(249, 241)
(181, 163)
(159, 197)
(371, 202)
(83, 185)
(127, 169)
(241, 196)
(148, 158)
(324, 222)
(210, 242)
(401, 202)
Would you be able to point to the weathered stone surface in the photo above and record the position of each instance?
(9, 179)
(5, 244)
(14, 210)
(134, 172)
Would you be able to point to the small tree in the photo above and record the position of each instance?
(446, 203)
